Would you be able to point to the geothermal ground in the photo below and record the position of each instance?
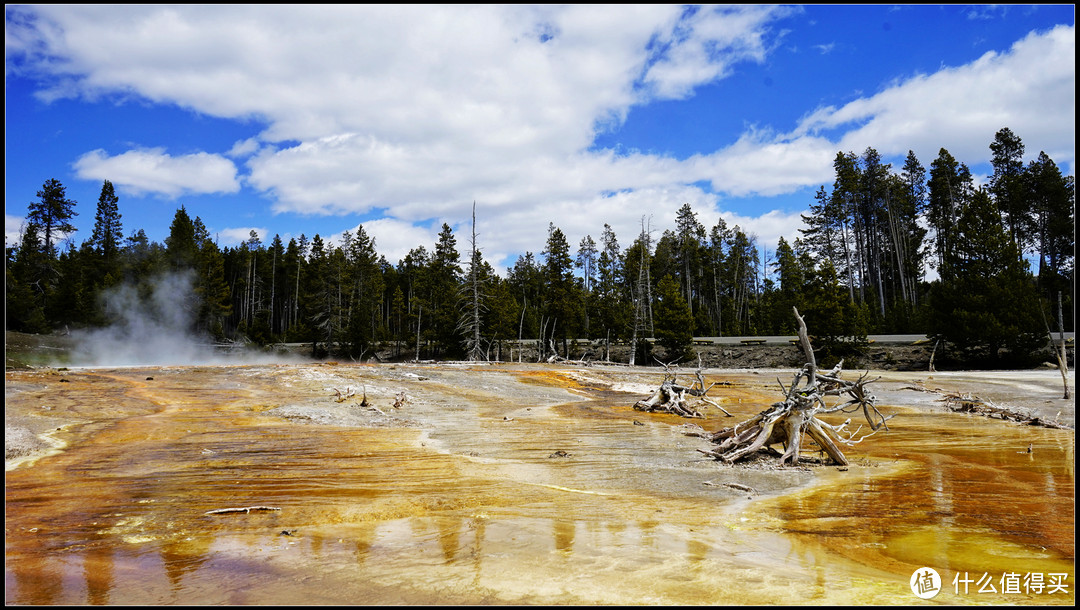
(464, 483)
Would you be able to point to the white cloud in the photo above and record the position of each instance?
(1030, 89)
(705, 45)
(237, 235)
(243, 148)
(395, 238)
(13, 229)
(154, 171)
(414, 112)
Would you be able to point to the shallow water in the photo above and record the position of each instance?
(500, 486)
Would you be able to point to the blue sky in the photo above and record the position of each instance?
(299, 119)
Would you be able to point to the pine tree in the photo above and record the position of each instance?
(948, 191)
(1007, 186)
(563, 304)
(674, 320)
(1053, 202)
(180, 244)
(690, 238)
(108, 232)
(986, 299)
(839, 328)
(439, 290)
(364, 285)
(51, 215)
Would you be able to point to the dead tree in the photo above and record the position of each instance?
(787, 421)
(670, 397)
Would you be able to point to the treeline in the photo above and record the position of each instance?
(857, 268)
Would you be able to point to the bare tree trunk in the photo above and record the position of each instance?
(1062, 356)
(475, 351)
(847, 256)
(419, 315)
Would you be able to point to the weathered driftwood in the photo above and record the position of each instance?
(962, 403)
(242, 509)
(967, 403)
(670, 397)
(787, 421)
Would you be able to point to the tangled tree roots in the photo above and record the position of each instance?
(671, 397)
(786, 422)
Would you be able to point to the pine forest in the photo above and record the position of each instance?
(859, 266)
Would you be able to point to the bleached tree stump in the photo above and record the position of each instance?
(788, 421)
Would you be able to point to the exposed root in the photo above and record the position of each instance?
(788, 421)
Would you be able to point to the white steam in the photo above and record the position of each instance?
(151, 325)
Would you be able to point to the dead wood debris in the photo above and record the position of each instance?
(243, 509)
(966, 403)
(787, 421)
(670, 397)
(960, 403)
(737, 486)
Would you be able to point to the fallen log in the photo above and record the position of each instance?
(962, 403)
(242, 509)
(788, 421)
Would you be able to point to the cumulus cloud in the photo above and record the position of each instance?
(13, 229)
(154, 171)
(238, 235)
(705, 45)
(410, 113)
(1031, 88)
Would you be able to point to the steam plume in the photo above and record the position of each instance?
(151, 328)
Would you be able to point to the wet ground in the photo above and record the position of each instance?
(512, 484)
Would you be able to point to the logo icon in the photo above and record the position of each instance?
(925, 583)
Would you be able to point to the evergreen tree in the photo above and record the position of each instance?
(986, 298)
(180, 245)
(211, 288)
(526, 282)
(743, 261)
(365, 287)
(838, 326)
(792, 277)
(440, 292)
(51, 215)
(716, 260)
(948, 191)
(563, 304)
(674, 320)
(27, 280)
(690, 240)
(910, 206)
(821, 234)
(610, 300)
(1053, 202)
(1007, 186)
(587, 261)
(108, 232)
(48, 220)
